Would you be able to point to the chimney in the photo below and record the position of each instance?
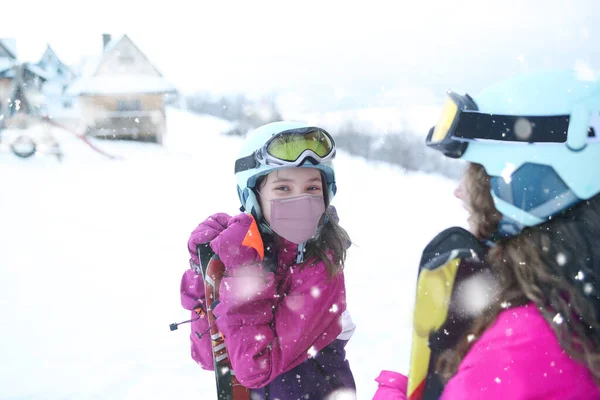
(105, 40)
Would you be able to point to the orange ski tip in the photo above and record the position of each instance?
(254, 240)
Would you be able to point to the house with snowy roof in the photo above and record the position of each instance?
(58, 77)
(121, 94)
(8, 60)
(21, 100)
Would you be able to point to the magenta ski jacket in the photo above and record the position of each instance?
(285, 330)
(518, 357)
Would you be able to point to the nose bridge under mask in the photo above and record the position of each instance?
(296, 206)
(296, 218)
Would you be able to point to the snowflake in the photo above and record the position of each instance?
(523, 128)
(507, 172)
(315, 292)
(342, 394)
(558, 319)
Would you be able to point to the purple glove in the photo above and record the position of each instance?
(240, 243)
(206, 232)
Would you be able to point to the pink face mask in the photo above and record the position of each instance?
(297, 218)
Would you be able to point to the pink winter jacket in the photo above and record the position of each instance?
(518, 357)
(272, 322)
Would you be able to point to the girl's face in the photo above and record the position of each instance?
(461, 192)
(288, 182)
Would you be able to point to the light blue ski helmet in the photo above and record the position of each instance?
(536, 135)
(246, 178)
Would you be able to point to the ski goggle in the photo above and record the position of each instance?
(291, 148)
(461, 122)
(531, 194)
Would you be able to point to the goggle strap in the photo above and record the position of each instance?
(541, 129)
(246, 163)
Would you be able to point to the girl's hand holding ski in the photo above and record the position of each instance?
(206, 232)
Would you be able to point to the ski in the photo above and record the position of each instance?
(228, 386)
(449, 259)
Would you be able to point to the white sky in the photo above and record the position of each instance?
(336, 53)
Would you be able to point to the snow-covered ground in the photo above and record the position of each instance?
(92, 251)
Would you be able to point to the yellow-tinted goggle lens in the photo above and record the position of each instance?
(289, 146)
(449, 113)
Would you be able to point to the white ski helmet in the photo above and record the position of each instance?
(261, 153)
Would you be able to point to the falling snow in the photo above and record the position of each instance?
(558, 319)
(342, 394)
(523, 128)
(507, 172)
(561, 259)
(315, 292)
(475, 293)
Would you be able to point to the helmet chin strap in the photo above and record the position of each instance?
(300, 255)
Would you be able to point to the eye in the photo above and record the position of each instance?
(314, 188)
(282, 188)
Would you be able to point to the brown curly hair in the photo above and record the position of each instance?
(554, 265)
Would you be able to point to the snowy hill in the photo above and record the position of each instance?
(92, 251)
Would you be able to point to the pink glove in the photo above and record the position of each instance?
(240, 243)
(392, 386)
(206, 232)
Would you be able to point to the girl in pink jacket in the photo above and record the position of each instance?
(532, 190)
(282, 306)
